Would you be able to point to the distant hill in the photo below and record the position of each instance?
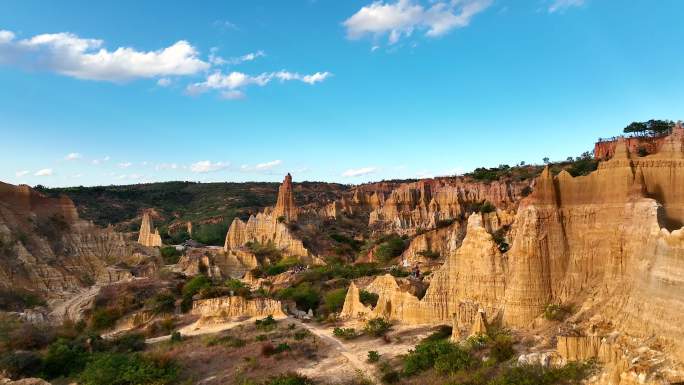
(179, 202)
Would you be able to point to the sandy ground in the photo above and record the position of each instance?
(344, 359)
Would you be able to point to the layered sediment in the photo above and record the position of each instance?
(147, 237)
(223, 309)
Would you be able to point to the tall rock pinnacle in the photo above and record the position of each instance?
(147, 237)
(285, 206)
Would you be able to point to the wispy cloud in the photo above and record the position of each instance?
(355, 172)
(125, 164)
(21, 173)
(268, 165)
(100, 161)
(225, 25)
(205, 166)
(73, 156)
(238, 81)
(217, 60)
(166, 166)
(44, 172)
(563, 5)
(68, 54)
(164, 82)
(403, 17)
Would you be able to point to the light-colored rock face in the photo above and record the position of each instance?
(423, 204)
(264, 228)
(224, 309)
(147, 237)
(285, 205)
(610, 242)
(217, 264)
(47, 248)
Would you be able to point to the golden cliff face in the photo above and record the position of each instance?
(47, 248)
(223, 309)
(610, 242)
(267, 227)
(423, 204)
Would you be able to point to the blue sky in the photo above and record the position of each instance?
(348, 91)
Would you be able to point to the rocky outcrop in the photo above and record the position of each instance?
(147, 237)
(217, 264)
(45, 247)
(285, 205)
(471, 279)
(353, 308)
(611, 242)
(223, 309)
(426, 203)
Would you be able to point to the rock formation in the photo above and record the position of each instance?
(147, 237)
(285, 205)
(223, 309)
(426, 203)
(45, 247)
(611, 242)
(268, 228)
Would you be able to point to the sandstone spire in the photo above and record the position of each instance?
(147, 237)
(285, 206)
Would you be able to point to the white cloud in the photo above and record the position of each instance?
(354, 172)
(44, 172)
(164, 82)
(99, 161)
(402, 18)
(268, 165)
(73, 156)
(125, 164)
(562, 5)
(166, 166)
(225, 25)
(21, 173)
(238, 81)
(217, 60)
(205, 166)
(68, 54)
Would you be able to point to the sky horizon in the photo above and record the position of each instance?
(347, 92)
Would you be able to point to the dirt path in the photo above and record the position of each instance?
(359, 364)
(74, 307)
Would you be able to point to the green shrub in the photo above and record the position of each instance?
(170, 255)
(345, 333)
(502, 347)
(556, 312)
(367, 298)
(229, 341)
(454, 360)
(194, 285)
(127, 343)
(176, 337)
(377, 327)
(210, 233)
(18, 300)
(334, 300)
(104, 318)
(267, 323)
(429, 353)
(17, 364)
(128, 369)
(289, 379)
(570, 374)
(486, 207)
(399, 272)
(163, 302)
(443, 332)
(429, 254)
(390, 248)
(301, 334)
(305, 296)
(373, 356)
(269, 350)
(64, 358)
